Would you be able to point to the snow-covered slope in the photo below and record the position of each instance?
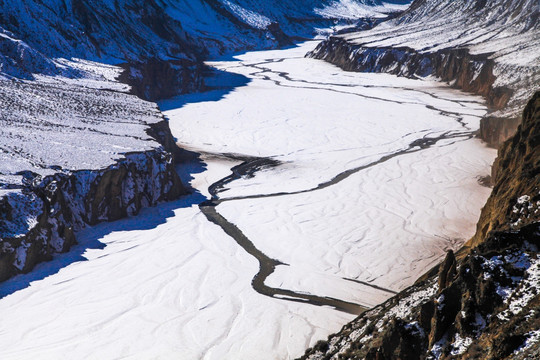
(75, 152)
(66, 120)
(249, 24)
(150, 36)
(35, 36)
(508, 32)
(123, 30)
(490, 47)
(96, 29)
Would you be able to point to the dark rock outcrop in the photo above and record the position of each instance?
(154, 79)
(515, 199)
(447, 270)
(67, 203)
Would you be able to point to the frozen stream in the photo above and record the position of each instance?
(346, 187)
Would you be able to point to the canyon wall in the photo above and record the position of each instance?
(41, 217)
(472, 73)
(484, 47)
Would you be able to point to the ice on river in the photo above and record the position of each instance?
(170, 284)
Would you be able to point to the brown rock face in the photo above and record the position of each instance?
(515, 199)
(447, 270)
(495, 130)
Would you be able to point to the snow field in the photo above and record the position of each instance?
(170, 284)
(162, 285)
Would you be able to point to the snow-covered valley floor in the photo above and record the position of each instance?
(351, 186)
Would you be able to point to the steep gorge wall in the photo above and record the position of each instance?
(472, 73)
(515, 199)
(42, 218)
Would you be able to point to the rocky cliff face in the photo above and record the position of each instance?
(62, 204)
(76, 152)
(515, 199)
(484, 304)
(485, 47)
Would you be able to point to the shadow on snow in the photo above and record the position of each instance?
(90, 238)
(218, 83)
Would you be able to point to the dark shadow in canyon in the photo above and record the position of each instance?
(90, 238)
(218, 83)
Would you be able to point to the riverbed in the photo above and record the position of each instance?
(317, 193)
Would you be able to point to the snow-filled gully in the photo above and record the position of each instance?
(313, 186)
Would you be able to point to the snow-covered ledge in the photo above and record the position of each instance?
(76, 152)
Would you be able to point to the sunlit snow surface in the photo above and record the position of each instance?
(170, 284)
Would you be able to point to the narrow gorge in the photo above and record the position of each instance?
(204, 180)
